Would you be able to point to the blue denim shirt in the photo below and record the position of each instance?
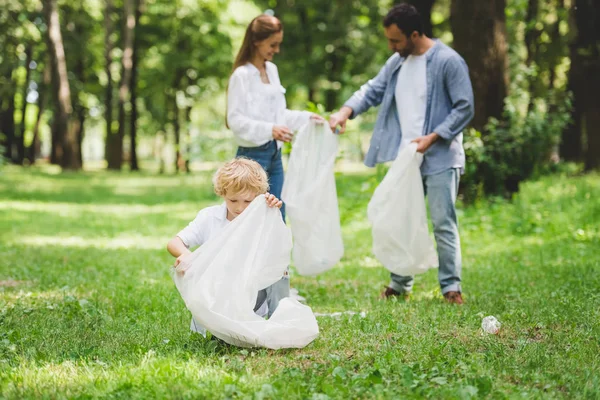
(449, 109)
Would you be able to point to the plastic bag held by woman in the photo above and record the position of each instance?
(401, 240)
(219, 286)
(310, 198)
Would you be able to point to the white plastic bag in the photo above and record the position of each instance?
(401, 240)
(219, 282)
(311, 200)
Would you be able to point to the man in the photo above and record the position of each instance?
(426, 97)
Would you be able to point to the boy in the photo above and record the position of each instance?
(238, 182)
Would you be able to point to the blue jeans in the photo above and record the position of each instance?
(269, 157)
(441, 190)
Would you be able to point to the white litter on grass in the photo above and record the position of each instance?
(339, 314)
(490, 325)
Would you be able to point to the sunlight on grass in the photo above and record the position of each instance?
(77, 210)
(88, 309)
(119, 242)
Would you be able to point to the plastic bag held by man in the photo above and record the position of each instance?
(401, 240)
(219, 286)
(311, 200)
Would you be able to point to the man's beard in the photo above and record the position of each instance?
(408, 50)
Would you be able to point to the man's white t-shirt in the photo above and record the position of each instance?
(411, 97)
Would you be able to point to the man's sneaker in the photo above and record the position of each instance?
(388, 292)
(453, 298)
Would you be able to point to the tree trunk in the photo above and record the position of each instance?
(586, 62)
(108, 93)
(333, 75)
(22, 125)
(176, 133)
(61, 89)
(80, 110)
(584, 82)
(479, 29)
(134, 111)
(116, 158)
(7, 123)
(308, 48)
(188, 152)
(531, 44)
(33, 150)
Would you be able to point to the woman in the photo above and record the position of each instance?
(258, 116)
(256, 107)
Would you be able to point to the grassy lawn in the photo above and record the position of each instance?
(87, 307)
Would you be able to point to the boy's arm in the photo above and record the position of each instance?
(176, 247)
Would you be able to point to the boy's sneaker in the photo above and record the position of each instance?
(388, 292)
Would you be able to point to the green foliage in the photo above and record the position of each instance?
(524, 143)
(88, 309)
(513, 150)
(330, 47)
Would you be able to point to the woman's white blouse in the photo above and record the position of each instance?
(253, 107)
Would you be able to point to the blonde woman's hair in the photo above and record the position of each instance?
(240, 175)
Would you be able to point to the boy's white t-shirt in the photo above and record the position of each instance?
(411, 97)
(208, 223)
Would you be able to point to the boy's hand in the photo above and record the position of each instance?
(273, 201)
(178, 260)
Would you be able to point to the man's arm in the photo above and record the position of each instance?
(460, 91)
(369, 95)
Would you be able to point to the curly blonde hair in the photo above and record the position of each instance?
(240, 175)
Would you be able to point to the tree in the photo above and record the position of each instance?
(115, 155)
(479, 29)
(330, 47)
(134, 82)
(108, 91)
(184, 58)
(584, 82)
(65, 130)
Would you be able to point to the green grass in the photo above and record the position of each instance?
(87, 307)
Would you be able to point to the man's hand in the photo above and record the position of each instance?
(340, 118)
(425, 142)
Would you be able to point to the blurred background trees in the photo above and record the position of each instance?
(140, 84)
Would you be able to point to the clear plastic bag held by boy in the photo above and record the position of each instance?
(219, 282)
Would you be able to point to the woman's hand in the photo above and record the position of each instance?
(283, 133)
(317, 118)
(273, 201)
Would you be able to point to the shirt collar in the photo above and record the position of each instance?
(222, 214)
(256, 72)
